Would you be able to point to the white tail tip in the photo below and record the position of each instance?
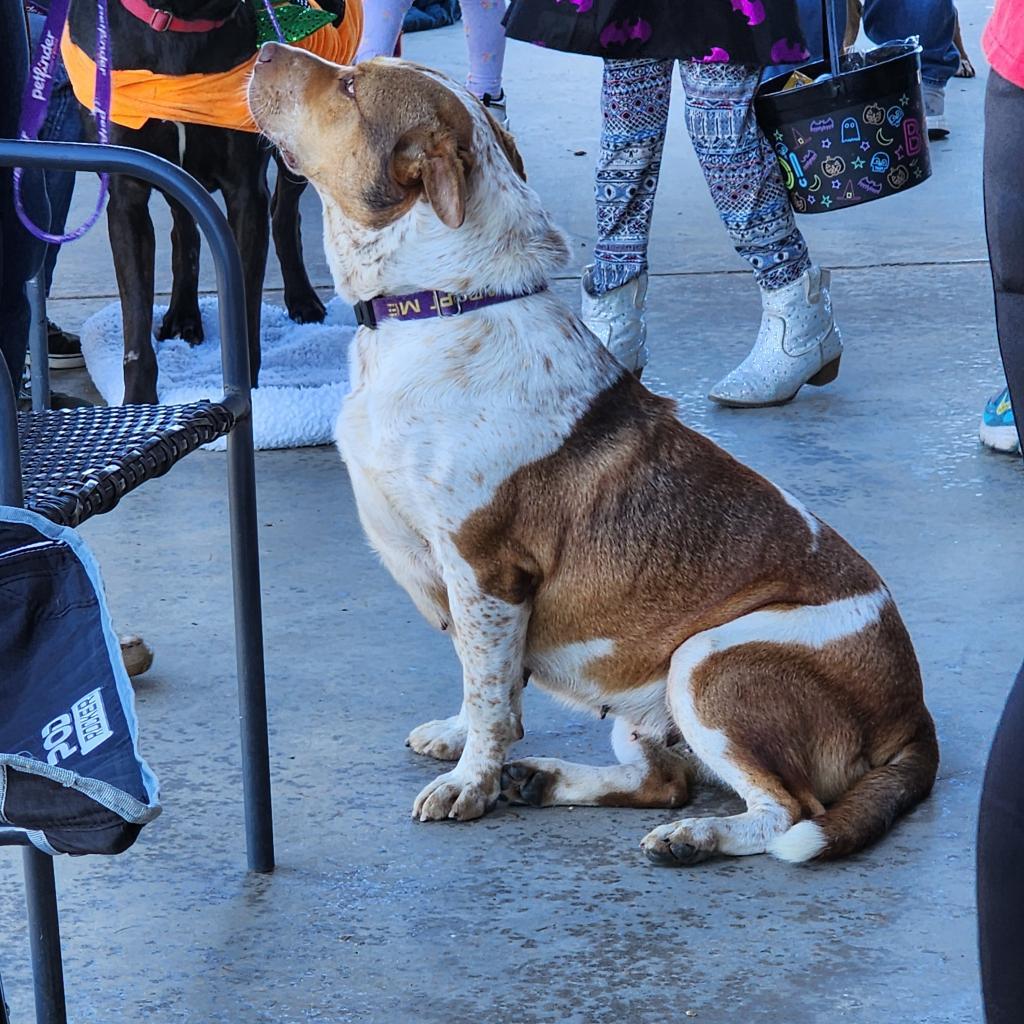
(804, 841)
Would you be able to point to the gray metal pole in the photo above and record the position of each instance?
(44, 937)
(38, 344)
(252, 697)
(4, 1011)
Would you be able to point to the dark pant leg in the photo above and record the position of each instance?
(21, 255)
(933, 21)
(1001, 867)
(1004, 222)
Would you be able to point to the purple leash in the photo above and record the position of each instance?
(273, 20)
(37, 97)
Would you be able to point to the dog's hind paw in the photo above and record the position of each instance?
(306, 310)
(680, 843)
(522, 782)
(442, 739)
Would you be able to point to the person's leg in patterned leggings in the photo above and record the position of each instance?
(485, 41)
(798, 342)
(634, 118)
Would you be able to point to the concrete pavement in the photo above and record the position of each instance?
(552, 916)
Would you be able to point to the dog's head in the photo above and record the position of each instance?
(374, 138)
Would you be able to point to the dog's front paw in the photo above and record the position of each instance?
(306, 308)
(458, 795)
(681, 843)
(184, 324)
(443, 739)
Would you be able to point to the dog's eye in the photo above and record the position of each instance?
(348, 85)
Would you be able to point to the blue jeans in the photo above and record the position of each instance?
(21, 255)
(63, 124)
(934, 21)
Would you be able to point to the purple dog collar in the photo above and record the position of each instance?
(427, 305)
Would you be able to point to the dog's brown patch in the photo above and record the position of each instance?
(666, 784)
(643, 532)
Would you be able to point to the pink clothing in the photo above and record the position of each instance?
(485, 37)
(1004, 40)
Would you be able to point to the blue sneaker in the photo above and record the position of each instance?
(998, 429)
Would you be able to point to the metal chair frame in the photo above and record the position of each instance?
(174, 182)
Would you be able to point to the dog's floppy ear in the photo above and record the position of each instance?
(440, 167)
(444, 181)
(508, 143)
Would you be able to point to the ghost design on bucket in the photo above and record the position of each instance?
(851, 130)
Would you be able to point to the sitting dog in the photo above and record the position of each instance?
(535, 499)
(179, 78)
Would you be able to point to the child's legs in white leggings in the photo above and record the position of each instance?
(485, 37)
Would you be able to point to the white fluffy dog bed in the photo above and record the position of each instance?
(303, 378)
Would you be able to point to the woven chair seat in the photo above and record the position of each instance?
(78, 463)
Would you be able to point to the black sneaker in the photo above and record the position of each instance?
(498, 106)
(58, 400)
(64, 347)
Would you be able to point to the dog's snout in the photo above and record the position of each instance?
(268, 52)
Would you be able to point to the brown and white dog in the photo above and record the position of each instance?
(537, 500)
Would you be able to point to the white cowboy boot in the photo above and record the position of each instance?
(617, 318)
(799, 343)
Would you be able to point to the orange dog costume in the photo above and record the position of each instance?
(218, 100)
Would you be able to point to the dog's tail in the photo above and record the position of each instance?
(866, 811)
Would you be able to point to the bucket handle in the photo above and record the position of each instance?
(830, 37)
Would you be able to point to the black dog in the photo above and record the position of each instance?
(233, 161)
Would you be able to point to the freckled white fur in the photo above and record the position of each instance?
(443, 739)
(442, 411)
(490, 642)
(765, 819)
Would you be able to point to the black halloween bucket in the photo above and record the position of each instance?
(857, 135)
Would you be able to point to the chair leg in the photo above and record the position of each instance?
(252, 695)
(38, 344)
(44, 937)
(5, 1013)
(10, 452)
